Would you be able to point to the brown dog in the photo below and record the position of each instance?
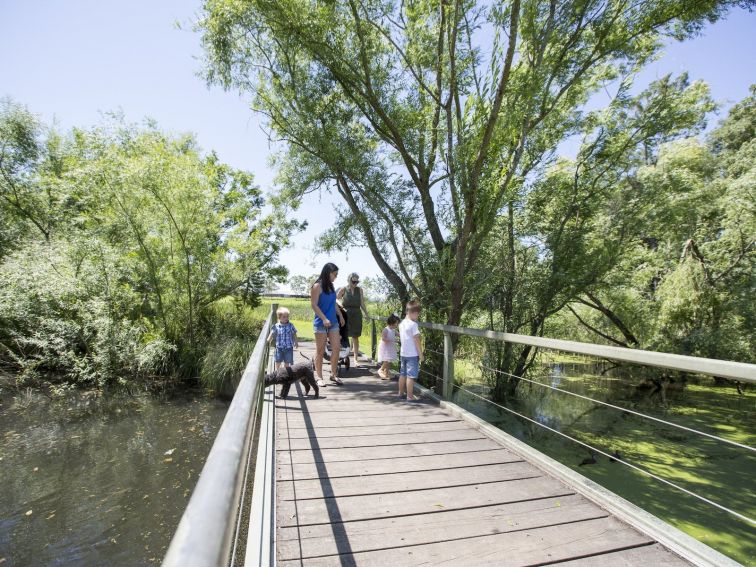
(302, 371)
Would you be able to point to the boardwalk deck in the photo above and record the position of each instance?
(363, 478)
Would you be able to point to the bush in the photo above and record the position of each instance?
(55, 321)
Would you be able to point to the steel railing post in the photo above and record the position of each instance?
(373, 337)
(448, 366)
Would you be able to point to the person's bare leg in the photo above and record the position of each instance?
(356, 349)
(402, 383)
(410, 386)
(320, 340)
(335, 348)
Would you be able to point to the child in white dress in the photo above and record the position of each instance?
(387, 348)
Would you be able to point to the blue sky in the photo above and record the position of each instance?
(71, 61)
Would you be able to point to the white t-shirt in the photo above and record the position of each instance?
(408, 329)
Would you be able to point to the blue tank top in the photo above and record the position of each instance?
(327, 304)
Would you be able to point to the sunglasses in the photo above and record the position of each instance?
(355, 281)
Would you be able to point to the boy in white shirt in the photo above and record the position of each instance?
(411, 351)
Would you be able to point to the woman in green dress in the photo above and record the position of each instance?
(353, 300)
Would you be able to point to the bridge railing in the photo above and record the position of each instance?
(738, 371)
(209, 529)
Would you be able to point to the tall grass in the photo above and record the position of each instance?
(234, 331)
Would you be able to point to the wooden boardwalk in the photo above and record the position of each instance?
(363, 478)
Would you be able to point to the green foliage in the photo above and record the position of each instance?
(430, 118)
(684, 280)
(53, 320)
(26, 149)
(124, 240)
(562, 238)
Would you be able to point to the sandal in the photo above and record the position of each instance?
(321, 383)
(337, 380)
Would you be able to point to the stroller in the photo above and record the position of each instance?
(344, 350)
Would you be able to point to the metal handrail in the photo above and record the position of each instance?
(740, 371)
(205, 534)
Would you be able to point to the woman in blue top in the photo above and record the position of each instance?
(327, 321)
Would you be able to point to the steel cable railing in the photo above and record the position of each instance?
(614, 457)
(613, 406)
(429, 373)
(620, 408)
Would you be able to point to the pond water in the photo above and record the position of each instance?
(92, 480)
(716, 470)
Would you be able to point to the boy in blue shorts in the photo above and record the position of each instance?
(411, 351)
(285, 335)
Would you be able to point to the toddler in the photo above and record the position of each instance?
(387, 348)
(285, 335)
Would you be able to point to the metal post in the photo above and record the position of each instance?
(448, 366)
(271, 359)
(373, 337)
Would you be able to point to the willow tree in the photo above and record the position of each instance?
(430, 117)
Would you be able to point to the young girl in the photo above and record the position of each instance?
(387, 348)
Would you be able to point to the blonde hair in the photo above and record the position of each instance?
(282, 311)
(413, 306)
(352, 276)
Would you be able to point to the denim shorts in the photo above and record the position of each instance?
(320, 328)
(285, 355)
(410, 366)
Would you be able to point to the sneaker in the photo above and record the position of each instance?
(321, 383)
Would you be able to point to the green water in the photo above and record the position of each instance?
(715, 470)
(98, 481)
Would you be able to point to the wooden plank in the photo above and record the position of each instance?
(286, 471)
(359, 537)
(344, 412)
(400, 429)
(352, 508)
(638, 557)
(401, 482)
(297, 422)
(334, 422)
(540, 545)
(368, 400)
(310, 444)
(385, 452)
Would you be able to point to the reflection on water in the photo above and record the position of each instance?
(93, 481)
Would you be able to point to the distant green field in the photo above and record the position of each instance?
(301, 315)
